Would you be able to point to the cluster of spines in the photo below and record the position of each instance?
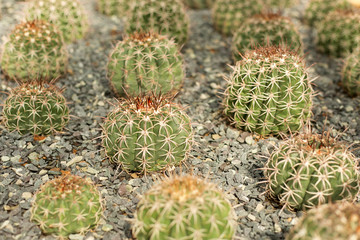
(113, 7)
(199, 4)
(351, 74)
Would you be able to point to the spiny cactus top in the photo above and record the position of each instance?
(351, 74)
(34, 49)
(184, 207)
(147, 134)
(280, 4)
(67, 15)
(269, 92)
(228, 15)
(329, 222)
(317, 10)
(67, 205)
(145, 62)
(199, 3)
(166, 17)
(113, 7)
(309, 170)
(35, 108)
(272, 29)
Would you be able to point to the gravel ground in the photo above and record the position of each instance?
(228, 157)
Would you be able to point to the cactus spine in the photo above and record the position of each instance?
(113, 7)
(199, 4)
(351, 74)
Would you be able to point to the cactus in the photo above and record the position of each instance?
(199, 4)
(271, 29)
(166, 17)
(351, 74)
(34, 49)
(66, 205)
(317, 10)
(339, 33)
(145, 62)
(269, 92)
(113, 7)
(329, 221)
(147, 134)
(280, 4)
(35, 108)
(228, 15)
(311, 169)
(184, 207)
(67, 15)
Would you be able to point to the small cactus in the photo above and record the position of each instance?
(271, 29)
(228, 15)
(184, 207)
(339, 33)
(166, 17)
(269, 92)
(67, 205)
(35, 108)
(351, 74)
(145, 63)
(67, 15)
(317, 10)
(113, 7)
(311, 169)
(199, 4)
(34, 49)
(147, 134)
(329, 222)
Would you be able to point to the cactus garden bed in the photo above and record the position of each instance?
(230, 158)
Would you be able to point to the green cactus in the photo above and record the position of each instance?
(145, 63)
(67, 15)
(199, 4)
(228, 15)
(34, 49)
(184, 207)
(67, 205)
(113, 7)
(339, 33)
(280, 4)
(147, 134)
(351, 74)
(271, 29)
(317, 10)
(328, 222)
(35, 108)
(311, 169)
(269, 92)
(166, 17)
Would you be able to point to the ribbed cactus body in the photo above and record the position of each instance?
(113, 7)
(67, 205)
(317, 10)
(339, 33)
(309, 170)
(36, 109)
(34, 49)
(228, 15)
(67, 15)
(147, 134)
(329, 222)
(145, 63)
(186, 208)
(269, 92)
(271, 29)
(351, 74)
(199, 4)
(166, 17)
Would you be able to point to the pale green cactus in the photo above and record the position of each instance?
(351, 74)
(113, 7)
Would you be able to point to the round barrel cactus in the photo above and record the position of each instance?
(199, 4)
(67, 15)
(351, 74)
(272, 29)
(228, 15)
(311, 169)
(147, 133)
(67, 205)
(317, 10)
(145, 63)
(184, 207)
(329, 222)
(35, 108)
(113, 7)
(166, 17)
(339, 33)
(34, 49)
(269, 92)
